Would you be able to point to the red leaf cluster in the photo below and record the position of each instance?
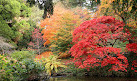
(94, 41)
(132, 47)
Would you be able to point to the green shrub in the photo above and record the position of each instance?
(34, 69)
(14, 70)
(20, 55)
(10, 69)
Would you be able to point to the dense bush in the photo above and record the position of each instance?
(34, 70)
(27, 69)
(11, 69)
(10, 10)
(20, 55)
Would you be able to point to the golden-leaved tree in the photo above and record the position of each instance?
(125, 10)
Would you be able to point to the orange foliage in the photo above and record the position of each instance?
(44, 54)
(62, 17)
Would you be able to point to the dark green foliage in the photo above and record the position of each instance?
(5, 30)
(131, 56)
(71, 70)
(32, 69)
(26, 38)
(9, 68)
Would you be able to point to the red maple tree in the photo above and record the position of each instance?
(94, 44)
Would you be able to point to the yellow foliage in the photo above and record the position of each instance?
(52, 64)
(107, 4)
(107, 8)
(132, 23)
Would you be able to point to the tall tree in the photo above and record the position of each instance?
(47, 5)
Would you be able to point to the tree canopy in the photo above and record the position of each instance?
(12, 27)
(95, 44)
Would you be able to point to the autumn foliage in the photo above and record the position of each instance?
(37, 40)
(120, 9)
(59, 27)
(44, 55)
(62, 18)
(94, 44)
